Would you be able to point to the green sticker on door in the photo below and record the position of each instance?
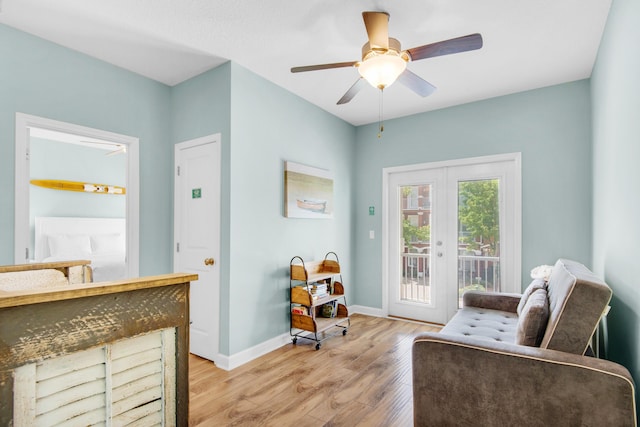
(196, 193)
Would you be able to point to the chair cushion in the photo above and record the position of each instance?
(533, 319)
(28, 280)
(533, 286)
(577, 299)
(482, 323)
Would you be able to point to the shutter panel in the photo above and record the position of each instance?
(71, 388)
(126, 383)
(137, 379)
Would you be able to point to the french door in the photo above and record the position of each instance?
(450, 227)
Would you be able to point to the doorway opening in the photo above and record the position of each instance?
(99, 216)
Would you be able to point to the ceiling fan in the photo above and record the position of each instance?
(112, 148)
(383, 62)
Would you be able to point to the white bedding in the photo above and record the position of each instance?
(100, 240)
(105, 267)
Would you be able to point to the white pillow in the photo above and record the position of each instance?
(69, 245)
(108, 243)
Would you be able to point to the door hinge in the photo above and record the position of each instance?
(178, 247)
(178, 170)
(26, 254)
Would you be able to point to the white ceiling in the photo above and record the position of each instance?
(527, 44)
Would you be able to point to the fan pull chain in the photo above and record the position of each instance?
(380, 124)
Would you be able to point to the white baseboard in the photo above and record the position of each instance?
(369, 311)
(231, 362)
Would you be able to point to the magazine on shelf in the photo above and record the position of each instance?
(300, 310)
(329, 309)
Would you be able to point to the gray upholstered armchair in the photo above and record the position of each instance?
(519, 360)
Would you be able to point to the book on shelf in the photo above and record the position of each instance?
(319, 287)
(319, 290)
(300, 310)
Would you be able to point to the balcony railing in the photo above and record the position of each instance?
(474, 272)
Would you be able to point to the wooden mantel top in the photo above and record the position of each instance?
(81, 290)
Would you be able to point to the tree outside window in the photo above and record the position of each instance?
(478, 216)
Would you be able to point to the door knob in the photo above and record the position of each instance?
(209, 261)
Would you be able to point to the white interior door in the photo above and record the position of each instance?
(450, 227)
(197, 237)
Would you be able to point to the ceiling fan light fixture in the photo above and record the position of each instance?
(383, 60)
(381, 70)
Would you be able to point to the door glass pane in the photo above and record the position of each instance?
(415, 245)
(478, 236)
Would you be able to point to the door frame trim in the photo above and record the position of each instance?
(22, 170)
(386, 172)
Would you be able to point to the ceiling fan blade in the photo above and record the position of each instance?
(353, 91)
(121, 150)
(446, 47)
(323, 66)
(416, 83)
(377, 25)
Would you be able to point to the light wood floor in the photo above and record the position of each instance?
(361, 379)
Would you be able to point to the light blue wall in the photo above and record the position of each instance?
(261, 126)
(58, 160)
(41, 78)
(616, 180)
(270, 125)
(550, 127)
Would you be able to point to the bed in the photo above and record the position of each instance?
(99, 240)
